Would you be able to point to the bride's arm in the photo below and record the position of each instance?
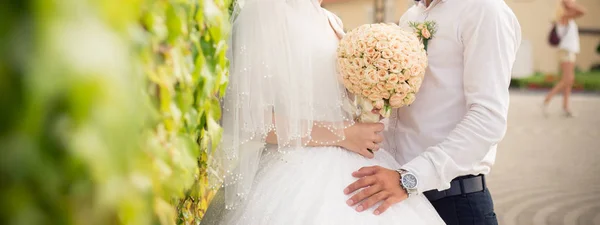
(573, 10)
(336, 24)
(359, 137)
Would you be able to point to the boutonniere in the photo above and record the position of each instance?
(425, 31)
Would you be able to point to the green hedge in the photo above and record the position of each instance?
(108, 109)
(588, 81)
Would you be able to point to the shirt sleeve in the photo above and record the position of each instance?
(490, 36)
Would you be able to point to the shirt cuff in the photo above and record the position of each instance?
(426, 173)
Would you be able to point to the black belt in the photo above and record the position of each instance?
(459, 186)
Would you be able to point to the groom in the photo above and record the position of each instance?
(446, 140)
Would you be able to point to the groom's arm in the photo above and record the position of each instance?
(491, 37)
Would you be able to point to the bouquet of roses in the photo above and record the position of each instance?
(383, 66)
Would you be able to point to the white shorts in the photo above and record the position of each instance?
(566, 56)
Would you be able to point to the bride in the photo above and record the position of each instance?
(289, 145)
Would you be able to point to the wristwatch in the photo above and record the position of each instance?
(408, 181)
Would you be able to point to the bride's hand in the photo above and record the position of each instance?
(361, 137)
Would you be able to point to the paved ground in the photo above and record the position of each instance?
(548, 169)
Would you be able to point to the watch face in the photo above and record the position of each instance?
(409, 181)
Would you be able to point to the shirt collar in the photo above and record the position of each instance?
(417, 2)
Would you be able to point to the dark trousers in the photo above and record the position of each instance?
(470, 209)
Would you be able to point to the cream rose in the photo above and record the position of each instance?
(366, 83)
(409, 99)
(379, 104)
(354, 80)
(420, 26)
(390, 87)
(397, 57)
(346, 63)
(407, 73)
(374, 57)
(397, 100)
(382, 75)
(416, 70)
(358, 63)
(385, 94)
(393, 79)
(404, 86)
(362, 46)
(382, 64)
(383, 45)
(366, 92)
(415, 83)
(348, 72)
(387, 53)
(374, 96)
(401, 78)
(371, 42)
(369, 51)
(400, 91)
(395, 67)
(395, 46)
(380, 86)
(407, 63)
(364, 87)
(425, 33)
(371, 75)
(381, 36)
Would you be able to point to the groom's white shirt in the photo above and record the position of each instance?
(460, 113)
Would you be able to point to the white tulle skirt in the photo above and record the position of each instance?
(305, 186)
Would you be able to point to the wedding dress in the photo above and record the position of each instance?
(283, 79)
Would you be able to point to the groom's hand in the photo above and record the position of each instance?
(361, 137)
(376, 184)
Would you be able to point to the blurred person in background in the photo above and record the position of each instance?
(566, 13)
